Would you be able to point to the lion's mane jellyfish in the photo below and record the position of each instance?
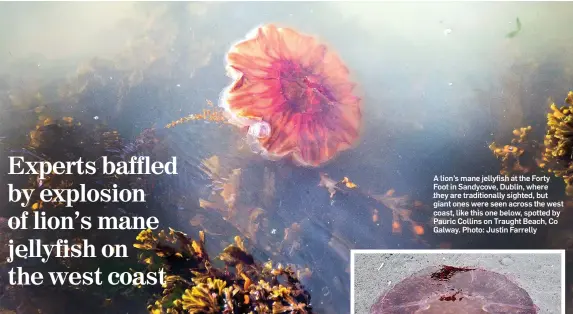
(293, 95)
(455, 290)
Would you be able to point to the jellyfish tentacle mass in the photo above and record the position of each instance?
(299, 88)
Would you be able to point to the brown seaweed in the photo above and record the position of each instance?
(196, 285)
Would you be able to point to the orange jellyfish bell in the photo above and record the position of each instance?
(294, 94)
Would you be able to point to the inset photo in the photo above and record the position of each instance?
(458, 281)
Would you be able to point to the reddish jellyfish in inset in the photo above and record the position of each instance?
(455, 290)
(292, 95)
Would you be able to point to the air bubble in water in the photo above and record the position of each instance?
(260, 129)
(257, 130)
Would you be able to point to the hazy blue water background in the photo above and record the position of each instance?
(440, 81)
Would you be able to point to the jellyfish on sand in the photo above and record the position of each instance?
(455, 290)
(293, 94)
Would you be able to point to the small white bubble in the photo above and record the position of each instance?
(178, 85)
(506, 261)
(450, 84)
(389, 282)
(447, 31)
(96, 118)
(274, 231)
(260, 129)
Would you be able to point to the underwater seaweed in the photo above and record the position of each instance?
(516, 157)
(517, 30)
(400, 207)
(195, 285)
(213, 115)
(556, 156)
(558, 142)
